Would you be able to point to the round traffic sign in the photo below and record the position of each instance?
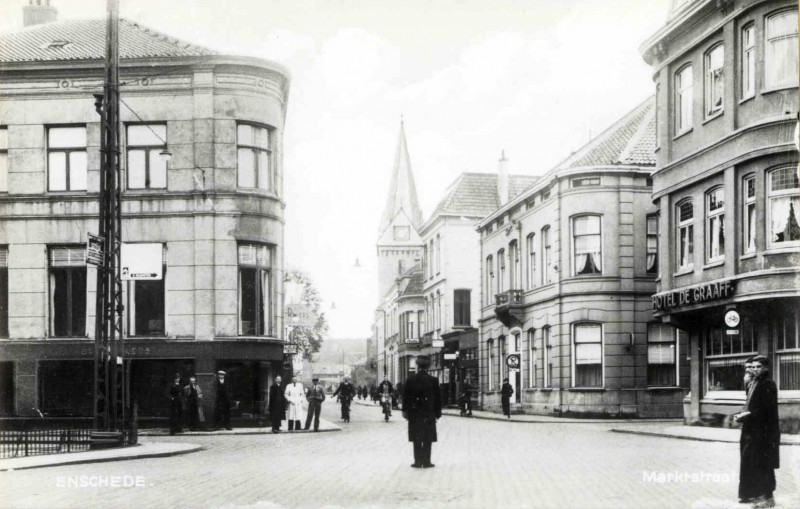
(512, 361)
(732, 318)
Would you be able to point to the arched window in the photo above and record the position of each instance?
(587, 253)
(783, 218)
(715, 224)
(685, 235)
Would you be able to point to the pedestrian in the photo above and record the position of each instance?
(315, 397)
(466, 400)
(222, 410)
(505, 397)
(759, 445)
(373, 392)
(193, 396)
(345, 391)
(422, 407)
(396, 395)
(277, 404)
(294, 395)
(175, 406)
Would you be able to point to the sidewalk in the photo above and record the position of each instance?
(703, 433)
(142, 450)
(161, 432)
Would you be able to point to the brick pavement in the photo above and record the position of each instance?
(480, 463)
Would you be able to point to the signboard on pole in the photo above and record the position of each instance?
(94, 250)
(141, 261)
(300, 315)
(512, 361)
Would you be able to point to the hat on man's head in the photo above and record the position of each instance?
(315, 379)
(423, 361)
(220, 372)
(761, 359)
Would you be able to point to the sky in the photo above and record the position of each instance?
(469, 78)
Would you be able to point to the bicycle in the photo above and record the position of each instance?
(386, 404)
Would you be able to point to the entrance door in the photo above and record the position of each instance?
(516, 375)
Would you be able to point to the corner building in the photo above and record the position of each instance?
(216, 207)
(726, 186)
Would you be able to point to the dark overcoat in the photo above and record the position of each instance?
(223, 397)
(422, 405)
(760, 441)
(277, 402)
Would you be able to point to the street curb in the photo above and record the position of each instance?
(241, 433)
(562, 420)
(685, 437)
(164, 454)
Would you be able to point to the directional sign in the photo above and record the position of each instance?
(94, 250)
(141, 261)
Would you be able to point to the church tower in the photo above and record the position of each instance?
(399, 245)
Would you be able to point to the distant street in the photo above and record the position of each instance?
(479, 464)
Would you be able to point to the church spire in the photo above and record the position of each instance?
(402, 191)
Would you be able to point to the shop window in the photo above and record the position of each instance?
(531, 244)
(685, 235)
(715, 225)
(652, 244)
(787, 346)
(662, 355)
(780, 58)
(749, 214)
(588, 355)
(586, 245)
(725, 355)
(501, 271)
(3, 291)
(461, 311)
(67, 292)
(66, 388)
(784, 207)
(66, 159)
(6, 388)
(3, 159)
(547, 256)
(531, 358)
(150, 380)
(547, 363)
(255, 290)
(147, 168)
(146, 304)
(254, 156)
(715, 60)
(684, 100)
(748, 61)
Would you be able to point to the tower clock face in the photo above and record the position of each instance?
(402, 233)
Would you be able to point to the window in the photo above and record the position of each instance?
(725, 355)
(683, 99)
(588, 344)
(146, 304)
(425, 263)
(489, 279)
(502, 348)
(434, 270)
(409, 333)
(749, 214)
(545, 194)
(513, 253)
(439, 316)
(65, 388)
(652, 244)
(147, 168)
(67, 292)
(685, 242)
(715, 225)
(531, 359)
(547, 363)
(253, 152)
(3, 159)
(255, 290)
(501, 271)
(780, 59)
(531, 241)
(438, 254)
(586, 181)
(715, 60)
(461, 299)
(491, 359)
(66, 159)
(586, 245)
(784, 200)
(420, 321)
(401, 232)
(547, 261)
(662, 355)
(785, 333)
(3, 291)
(748, 61)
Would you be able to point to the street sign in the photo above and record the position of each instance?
(732, 318)
(142, 261)
(412, 340)
(450, 356)
(512, 361)
(437, 343)
(94, 250)
(300, 315)
(732, 332)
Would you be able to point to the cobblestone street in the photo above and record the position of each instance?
(479, 463)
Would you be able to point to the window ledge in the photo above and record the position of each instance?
(67, 338)
(794, 249)
(667, 388)
(586, 389)
(748, 98)
(546, 389)
(713, 117)
(68, 193)
(715, 263)
(766, 91)
(683, 272)
(155, 337)
(682, 133)
(747, 256)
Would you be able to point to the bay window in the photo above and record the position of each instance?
(255, 290)
(748, 61)
(684, 99)
(254, 156)
(780, 53)
(715, 225)
(685, 235)
(784, 207)
(586, 245)
(652, 244)
(725, 356)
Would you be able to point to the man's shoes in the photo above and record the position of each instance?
(763, 502)
(429, 465)
(229, 429)
(416, 465)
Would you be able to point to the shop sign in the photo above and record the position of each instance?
(437, 343)
(450, 356)
(94, 250)
(711, 292)
(412, 340)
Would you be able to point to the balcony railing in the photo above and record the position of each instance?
(509, 297)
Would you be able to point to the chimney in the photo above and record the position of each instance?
(502, 178)
(38, 12)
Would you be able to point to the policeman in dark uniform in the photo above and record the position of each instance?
(422, 407)
(175, 406)
(345, 391)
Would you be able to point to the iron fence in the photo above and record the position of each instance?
(14, 444)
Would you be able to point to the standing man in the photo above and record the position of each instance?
(466, 400)
(294, 395)
(345, 391)
(222, 409)
(193, 396)
(505, 397)
(759, 445)
(315, 397)
(422, 407)
(277, 404)
(175, 406)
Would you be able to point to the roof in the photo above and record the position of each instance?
(415, 284)
(402, 189)
(631, 141)
(84, 39)
(476, 194)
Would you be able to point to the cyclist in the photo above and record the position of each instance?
(386, 393)
(345, 391)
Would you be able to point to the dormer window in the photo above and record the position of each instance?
(57, 44)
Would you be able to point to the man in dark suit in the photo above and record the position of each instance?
(175, 405)
(505, 397)
(315, 397)
(345, 391)
(277, 405)
(422, 407)
(759, 445)
(222, 413)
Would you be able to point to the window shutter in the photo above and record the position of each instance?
(67, 257)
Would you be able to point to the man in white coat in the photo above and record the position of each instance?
(294, 397)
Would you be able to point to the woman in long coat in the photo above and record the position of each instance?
(295, 394)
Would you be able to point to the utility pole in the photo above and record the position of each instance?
(110, 391)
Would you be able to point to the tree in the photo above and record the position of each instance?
(308, 339)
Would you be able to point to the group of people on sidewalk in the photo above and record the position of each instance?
(186, 404)
(286, 403)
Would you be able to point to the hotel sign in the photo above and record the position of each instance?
(710, 292)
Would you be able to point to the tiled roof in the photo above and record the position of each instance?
(84, 39)
(415, 283)
(630, 141)
(475, 194)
